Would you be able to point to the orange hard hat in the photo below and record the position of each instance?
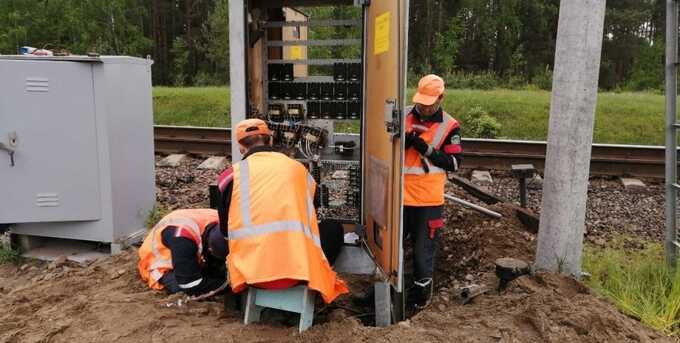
(251, 127)
(430, 87)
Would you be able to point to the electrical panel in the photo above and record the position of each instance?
(80, 162)
(307, 87)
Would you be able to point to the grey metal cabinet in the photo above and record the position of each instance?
(76, 146)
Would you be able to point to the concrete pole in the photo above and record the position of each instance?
(237, 68)
(671, 133)
(570, 136)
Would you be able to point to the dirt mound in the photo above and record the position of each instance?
(540, 308)
(106, 301)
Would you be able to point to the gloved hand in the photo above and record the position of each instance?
(408, 139)
(420, 145)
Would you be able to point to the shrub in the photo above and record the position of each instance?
(515, 82)
(544, 79)
(8, 255)
(479, 124)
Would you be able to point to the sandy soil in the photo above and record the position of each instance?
(105, 301)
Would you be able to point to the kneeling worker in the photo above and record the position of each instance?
(268, 211)
(185, 252)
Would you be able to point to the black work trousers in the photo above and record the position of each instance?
(419, 224)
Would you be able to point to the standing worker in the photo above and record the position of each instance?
(432, 149)
(267, 209)
(185, 252)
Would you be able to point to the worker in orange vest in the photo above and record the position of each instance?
(185, 252)
(433, 148)
(267, 209)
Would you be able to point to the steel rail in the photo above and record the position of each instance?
(607, 159)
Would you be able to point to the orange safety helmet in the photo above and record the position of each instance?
(251, 127)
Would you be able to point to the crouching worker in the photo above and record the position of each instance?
(268, 211)
(185, 252)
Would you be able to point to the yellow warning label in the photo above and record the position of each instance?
(296, 52)
(382, 34)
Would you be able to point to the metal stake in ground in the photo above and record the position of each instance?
(522, 172)
(570, 135)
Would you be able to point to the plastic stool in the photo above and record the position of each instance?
(298, 299)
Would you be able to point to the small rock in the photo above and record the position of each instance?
(49, 276)
(481, 177)
(36, 278)
(166, 182)
(469, 277)
(214, 163)
(117, 274)
(58, 262)
(535, 183)
(632, 184)
(441, 307)
(24, 267)
(32, 269)
(445, 298)
(405, 323)
(172, 160)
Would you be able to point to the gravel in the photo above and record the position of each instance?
(184, 186)
(611, 210)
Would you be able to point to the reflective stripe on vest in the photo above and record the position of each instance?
(437, 141)
(249, 230)
(160, 262)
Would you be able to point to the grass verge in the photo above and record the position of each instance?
(621, 118)
(639, 283)
(193, 106)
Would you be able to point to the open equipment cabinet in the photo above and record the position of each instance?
(276, 75)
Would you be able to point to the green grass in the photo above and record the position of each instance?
(156, 214)
(639, 283)
(9, 255)
(623, 118)
(195, 106)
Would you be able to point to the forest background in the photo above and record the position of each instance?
(474, 44)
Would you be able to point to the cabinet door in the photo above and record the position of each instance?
(49, 108)
(385, 74)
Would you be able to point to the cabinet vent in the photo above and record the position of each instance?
(37, 85)
(47, 200)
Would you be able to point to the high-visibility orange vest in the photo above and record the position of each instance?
(273, 230)
(155, 258)
(421, 187)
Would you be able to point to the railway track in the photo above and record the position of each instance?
(607, 159)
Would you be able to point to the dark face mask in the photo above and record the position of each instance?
(428, 110)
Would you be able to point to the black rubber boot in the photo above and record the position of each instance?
(422, 292)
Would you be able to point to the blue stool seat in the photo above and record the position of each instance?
(298, 299)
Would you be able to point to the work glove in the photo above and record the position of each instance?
(420, 146)
(408, 139)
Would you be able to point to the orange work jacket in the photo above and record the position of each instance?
(421, 187)
(155, 258)
(273, 230)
